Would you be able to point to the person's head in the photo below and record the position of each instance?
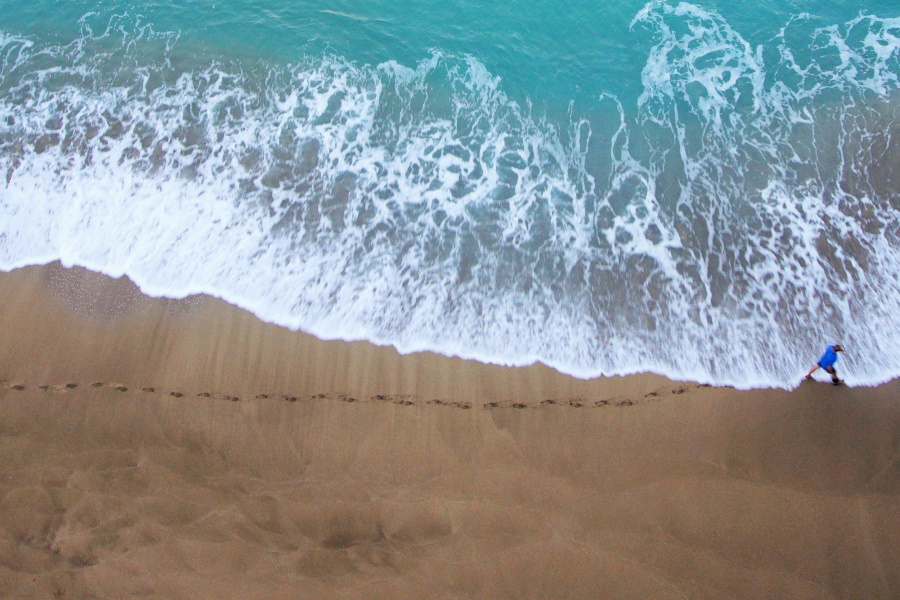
(838, 348)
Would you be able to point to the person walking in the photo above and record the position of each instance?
(827, 362)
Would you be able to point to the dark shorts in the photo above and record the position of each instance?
(829, 368)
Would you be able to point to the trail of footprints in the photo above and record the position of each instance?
(402, 400)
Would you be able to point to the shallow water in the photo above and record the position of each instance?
(707, 191)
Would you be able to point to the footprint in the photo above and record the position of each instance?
(149, 390)
(438, 402)
(43, 387)
(176, 394)
(651, 395)
(262, 396)
(678, 391)
(394, 398)
(290, 398)
(548, 402)
(349, 399)
(18, 388)
(203, 394)
(71, 386)
(463, 405)
(121, 388)
(492, 405)
(232, 398)
(519, 405)
(97, 384)
(601, 403)
(575, 404)
(625, 403)
(401, 399)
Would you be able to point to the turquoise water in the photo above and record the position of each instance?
(706, 190)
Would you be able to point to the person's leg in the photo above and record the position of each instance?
(834, 377)
(811, 371)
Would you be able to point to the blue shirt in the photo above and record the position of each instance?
(829, 358)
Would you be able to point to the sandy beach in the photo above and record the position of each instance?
(171, 449)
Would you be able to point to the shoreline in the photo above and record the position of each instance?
(90, 298)
(185, 449)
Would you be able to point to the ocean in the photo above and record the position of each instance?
(706, 190)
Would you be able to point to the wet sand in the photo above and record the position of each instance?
(184, 449)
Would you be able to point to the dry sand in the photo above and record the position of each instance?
(184, 449)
